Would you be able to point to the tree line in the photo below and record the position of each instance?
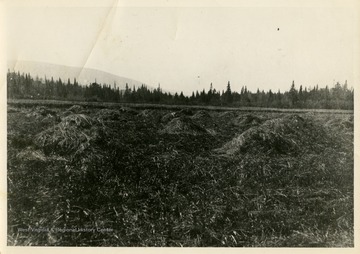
(24, 86)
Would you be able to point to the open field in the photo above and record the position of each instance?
(110, 175)
(65, 104)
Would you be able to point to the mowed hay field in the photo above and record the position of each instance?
(86, 176)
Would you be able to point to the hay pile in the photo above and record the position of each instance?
(169, 116)
(186, 112)
(120, 114)
(341, 124)
(76, 109)
(44, 115)
(247, 121)
(150, 114)
(40, 112)
(176, 114)
(341, 127)
(128, 110)
(108, 115)
(205, 120)
(201, 114)
(72, 135)
(183, 125)
(146, 113)
(281, 136)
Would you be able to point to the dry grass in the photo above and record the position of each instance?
(183, 125)
(76, 109)
(247, 120)
(201, 114)
(73, 134)
(280, 135)
(286, 181)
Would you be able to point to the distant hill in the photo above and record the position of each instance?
(84, 76)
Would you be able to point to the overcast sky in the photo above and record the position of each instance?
(186, 48)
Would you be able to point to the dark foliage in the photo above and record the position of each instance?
(23, 86)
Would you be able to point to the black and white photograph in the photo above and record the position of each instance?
(180, 123)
